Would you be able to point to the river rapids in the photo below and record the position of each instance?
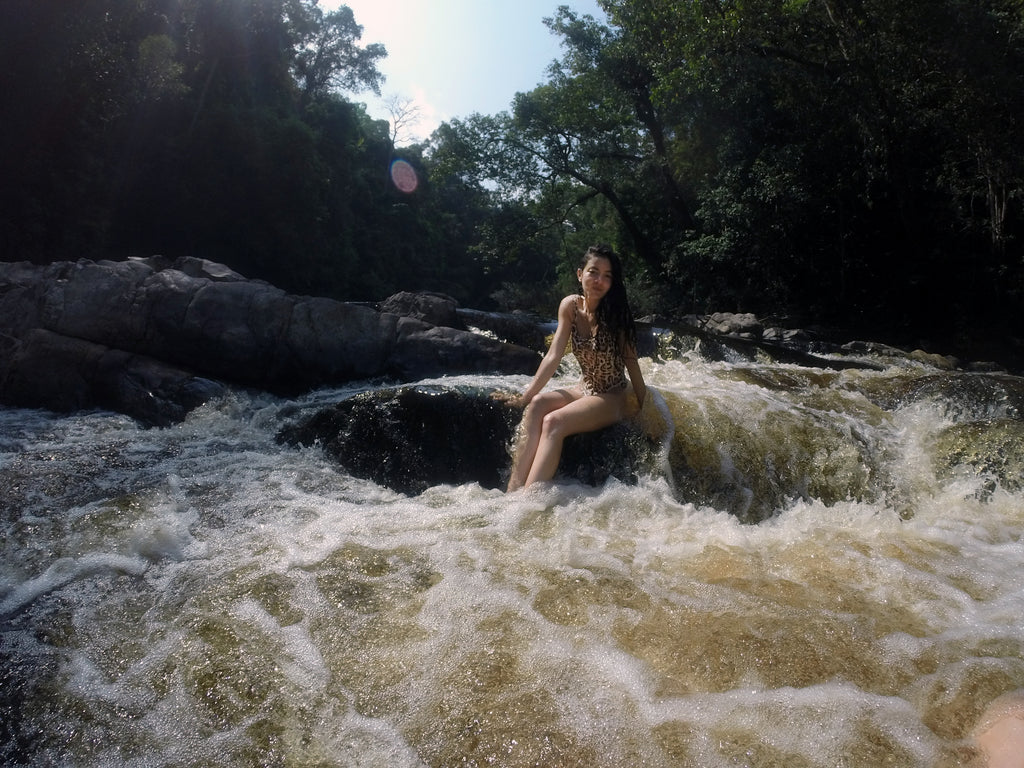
(826, 570)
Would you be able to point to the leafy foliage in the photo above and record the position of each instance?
(844, 161)
(213, 128)
(847, 162)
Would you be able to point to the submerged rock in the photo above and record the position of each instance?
(993, 449)
(412, 438)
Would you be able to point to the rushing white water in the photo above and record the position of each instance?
(201, 595)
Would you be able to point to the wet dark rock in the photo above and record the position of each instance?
(431, 308)
(621, 451)
(786, 335)
(422, 351)
(109, 334)
(738, 337)
(412, 438)
(520, 328)
(70, 374)
(694, 335)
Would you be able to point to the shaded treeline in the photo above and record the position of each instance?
(853, 162)
(213, 128)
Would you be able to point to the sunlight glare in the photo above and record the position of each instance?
(403, 176)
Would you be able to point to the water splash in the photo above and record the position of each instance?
(200, 594)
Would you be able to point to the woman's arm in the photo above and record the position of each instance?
(636, 378)
(553, 357)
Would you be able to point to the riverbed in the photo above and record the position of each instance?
(820, 575)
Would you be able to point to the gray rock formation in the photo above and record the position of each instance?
(153, 338)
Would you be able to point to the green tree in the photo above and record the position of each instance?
(327, 57)
(67, 79)
(836, 149)
(204, 127)
(526, 216)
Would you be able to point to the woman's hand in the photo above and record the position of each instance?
(514, 399)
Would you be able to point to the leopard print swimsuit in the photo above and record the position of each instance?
(603, 368)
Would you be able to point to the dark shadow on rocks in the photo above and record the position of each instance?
(154, 338)
(411, 438)
(68, 374)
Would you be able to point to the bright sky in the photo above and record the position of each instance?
(452, 58)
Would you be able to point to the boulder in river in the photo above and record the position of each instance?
(78, 335)
(416, 437)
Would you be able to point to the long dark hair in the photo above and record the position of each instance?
(613, 312)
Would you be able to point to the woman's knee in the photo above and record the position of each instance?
(533, 415)
(544, 405)
(553, 424)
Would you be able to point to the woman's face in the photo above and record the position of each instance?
(596, 276)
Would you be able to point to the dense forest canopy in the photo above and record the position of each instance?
(851, 162)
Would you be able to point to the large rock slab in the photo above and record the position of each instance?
(67, 374)
(201, 325)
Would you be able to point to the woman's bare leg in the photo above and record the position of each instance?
(530, 431)
(586, 414)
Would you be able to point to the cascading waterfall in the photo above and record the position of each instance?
(827, 572)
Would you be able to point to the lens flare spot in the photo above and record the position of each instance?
(404, 176)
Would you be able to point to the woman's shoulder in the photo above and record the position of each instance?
(568, 304)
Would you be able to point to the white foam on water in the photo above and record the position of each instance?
(65, 571)
(297, 655)
(206, 595)
(790, 719)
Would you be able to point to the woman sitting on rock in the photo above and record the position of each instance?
(600, 326)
